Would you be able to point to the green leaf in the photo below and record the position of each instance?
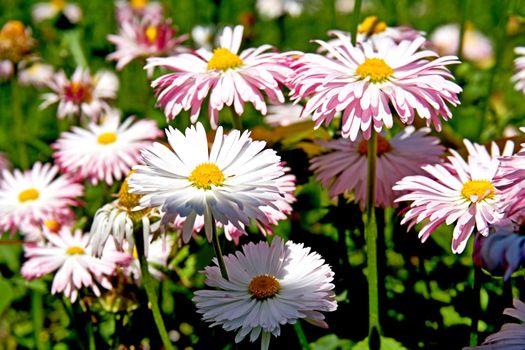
(331, 342)
(7, 294)
(386, 344)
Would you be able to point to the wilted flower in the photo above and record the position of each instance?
(46, 10)
(16, 45)
(159, 252)
(344, 167)
(268, 286)
(106, 151)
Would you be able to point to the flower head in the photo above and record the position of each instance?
(106, 151)
(229, 78)
(83, 95)
(365, 80)
(271, 9)
(269, 286)
(138, 10)
(457, 191)
(231, 183)
(34, 195)
(519, 65)
(69, 253)
(37, 74)
(16, 42)
(344, 167)
(46, 10)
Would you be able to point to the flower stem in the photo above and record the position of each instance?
(37, 315)
(72, 38)
(19, 125)
(236, 120)
(147, 281)
(300, 334)
(464, 12)
(369, 219)
(476, 289)
(355, 21)
(217, 249)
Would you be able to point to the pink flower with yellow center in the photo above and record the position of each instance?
(35, 195)
(364, 81)
(227, 77)
(459, 191)
(138, 10)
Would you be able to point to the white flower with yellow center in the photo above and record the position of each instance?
(229, 183)
(104, 151)
(458, 191)
(35, 195)
(268, 286)
(48, 10)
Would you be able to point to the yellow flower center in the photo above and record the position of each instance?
(75, 250)
(107, 138)
(52, 225)
(138, 4)
(151, 33)
(13, 30)
(30, 194)
(58, 4)
(129, 201)
(206, 174)
(383, 146)
(371, 25)
(264, 287)
(477, 190)
(375, 69)
(224, 59)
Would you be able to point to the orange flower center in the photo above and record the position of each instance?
(383, 146)
(224, 59)
(375, 69)
(477, 190)
(264, 287)
(205, 175)
(138, 4)
(78, 92)
(371, 25)
(30, 194)
(58, 4)
(52, 225)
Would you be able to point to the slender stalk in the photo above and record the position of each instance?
(463, 26)
(91, 336)
(300, 334)
(19, 124)
(217, 249)
(476, 299)
(236, 120)
(147, 281)
(369, 220)
(72, 38)
(37, 315)
(355, 21)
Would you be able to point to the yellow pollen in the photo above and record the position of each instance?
(58, 4)
(52, 225)
(206, 174)
(75, 250)
(224, 59)
(375, 69)
(477, 190)
(30, 194)
(383, 146)
(128, 201)
(107, 138)
(151, 33)
(135, 253)
(138, 4)
(264, 287)
(371, 25)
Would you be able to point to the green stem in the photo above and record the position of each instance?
(37, 315)
(19, 124)
(236, 120)
(91, 335)
(476, 299)
(464, 11)
(355, 21)
(369, 220)
(300, 334)
(217, 249)
(147, 281)
(72, 38)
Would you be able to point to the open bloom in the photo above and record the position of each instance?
(83, 95)
(458, 191)
(106, 151)
(143, 39)
(344, 167)
(35, 195)
(138, 10)
(70, 254)
(519, 65)
(511, 336)
(363, 81)
(230, 183)
(268, 286)
(227, 77)
(46, 10)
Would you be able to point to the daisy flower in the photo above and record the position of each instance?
(46, 10)
(84, 94)
(37, 74)
(138, 10)
(230, 183)
(33, 230)
(458, 191)
(228, 78)
(284, 115)
(269, 286)
(106, 151)
(203, 36)
(511, 336)
(35, 195)
(271, 9)
(344, 167)
(363, 82)
(143, 39)
(519, 66)
(68, 253)
(119, 218)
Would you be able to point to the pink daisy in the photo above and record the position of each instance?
(344, 167)
(69, 253)
(35, 195)
(106, 151)
(227, 77)
(458, 191)
(137, 10)
(83, 95)
(33, 230)
(143, 39)
(363, 81)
